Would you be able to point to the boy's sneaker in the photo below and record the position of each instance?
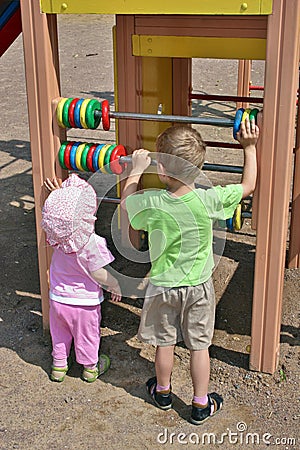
(162, 399)
(200, 414)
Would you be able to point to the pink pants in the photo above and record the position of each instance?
(81, 323)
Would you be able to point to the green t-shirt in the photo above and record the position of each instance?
(180, 230)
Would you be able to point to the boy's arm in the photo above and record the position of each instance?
(104, 278)
(248, 136)
(140, 161)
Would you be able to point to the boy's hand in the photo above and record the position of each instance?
(140, 160)
(248, 133)
(52, 185)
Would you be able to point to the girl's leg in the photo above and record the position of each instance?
(200, 372)
(86, 332)
(164, 360)
(60, 333)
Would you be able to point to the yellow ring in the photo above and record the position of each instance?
(237, 218)
(83, 107)
(245, 114)
(78, 156)
(101, 157)
(59, 110)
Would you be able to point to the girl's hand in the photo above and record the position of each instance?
(115, 291)
(52, 185)
(140, 160)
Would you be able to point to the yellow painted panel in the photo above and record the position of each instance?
(157, 93)
(261, 7)
(199, 47)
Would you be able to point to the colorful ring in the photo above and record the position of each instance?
(67, 155)
(59, 111)
(78, 156)
(73, 155)
(92, 121)
(101, 158)
(229, 224)
(245, 114)
(114, 163)
(253, 114)
(237, 121)
(61, 154)
(107, 158)
(237, 218)
(65, 113)
(105, 115)
(77, 113)
(84, 156)
(71, 112)
(89, 158)
(96, 156)
(82, 112)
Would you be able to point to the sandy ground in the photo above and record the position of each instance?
(260, 410)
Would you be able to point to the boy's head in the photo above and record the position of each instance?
(68, 215)
(187, 150)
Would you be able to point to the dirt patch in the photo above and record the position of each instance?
(114, 412)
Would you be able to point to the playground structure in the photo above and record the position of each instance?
(10, 23)
(155, 39)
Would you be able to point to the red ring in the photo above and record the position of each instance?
(114, 164)
(105, 115)
(67, 155)
(89, 158)
(71, 112)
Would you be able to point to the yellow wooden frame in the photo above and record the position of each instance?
(210, 7)
(199, 47)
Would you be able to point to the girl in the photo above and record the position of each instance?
(77, 272)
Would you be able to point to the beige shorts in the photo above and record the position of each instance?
(179, 314)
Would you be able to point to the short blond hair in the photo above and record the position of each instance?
(183, 142)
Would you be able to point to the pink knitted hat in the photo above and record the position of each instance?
(68, 215)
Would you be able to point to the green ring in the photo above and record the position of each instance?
(107, 158)
(61, 154)
(92, 121)
(65, 113)
(84, 156)
(253, 114)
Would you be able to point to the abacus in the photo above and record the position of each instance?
(88, 113)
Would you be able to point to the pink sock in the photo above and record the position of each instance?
(201, 400)
(90, 366)
(160, 388)
(60, 362)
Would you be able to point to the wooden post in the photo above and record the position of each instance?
(294, 248)
(275, 178)
(244, 77)
(42, 82)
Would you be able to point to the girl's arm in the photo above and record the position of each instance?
(103, 277)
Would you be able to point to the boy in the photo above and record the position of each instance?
(180, 302)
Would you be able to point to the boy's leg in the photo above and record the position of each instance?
(200, 371)
(164, 360)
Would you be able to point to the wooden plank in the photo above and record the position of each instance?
(42, 82)
(157, 7)
(275, 179)
(198, 47)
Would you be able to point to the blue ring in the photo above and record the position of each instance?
(73, 155)
(96, 156)
(229, 224)
(237, 121)
(77, 113)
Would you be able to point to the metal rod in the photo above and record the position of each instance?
(169, 118)
(206, 166)
(226, 98)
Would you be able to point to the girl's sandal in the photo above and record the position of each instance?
(58, 374)
(91, 375)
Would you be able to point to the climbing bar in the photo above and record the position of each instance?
(88, 113)
(111, 159)
(226, 98)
